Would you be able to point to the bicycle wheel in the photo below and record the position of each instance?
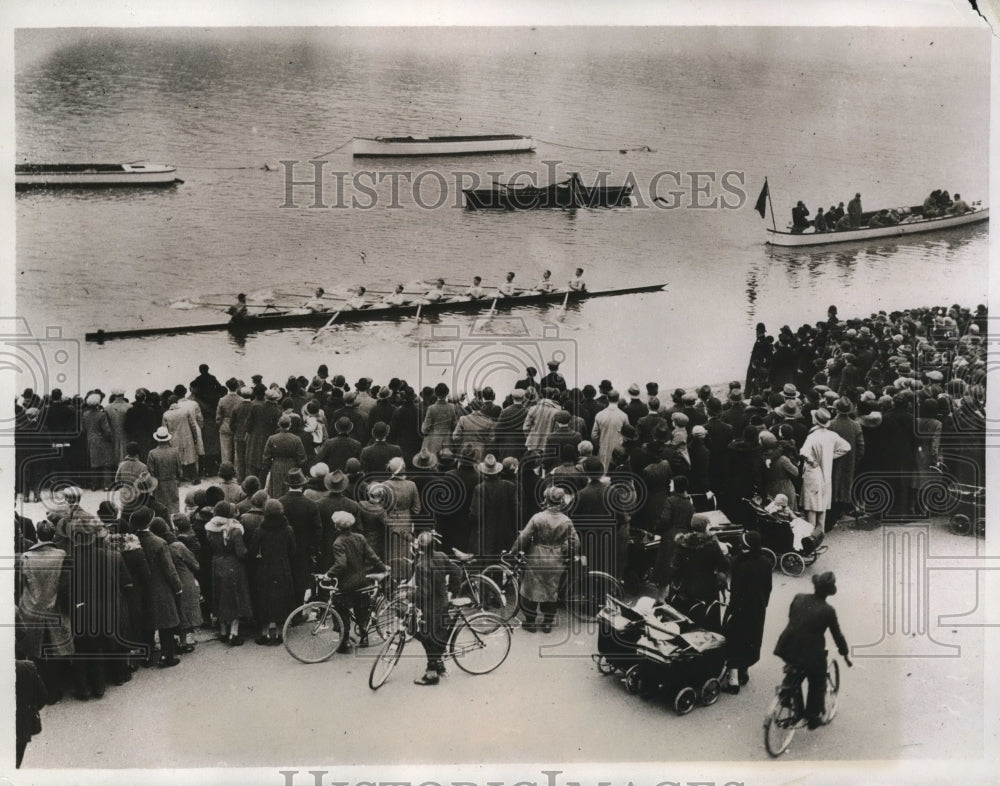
(832, 689)
(589, 592)
(779, 726)
(313, 632)
(485, 594)
(480, 642)
(387, 617)
(506, 581)
(387, 659)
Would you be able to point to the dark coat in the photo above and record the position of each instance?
(97, 598)
(282, 451)
(844, 467)
(675, 518)
(657, 477)
(433, 574)
(372, 524)
(261, 423)
(602, 524)
(697, 560)
(749, 593)
(329, 504)
(374, 457)
(189, 602)
(273, 548)
(230, 589)
(160, 603)
(303, 517)
(720, 434)
(336, 450)
(508, 433)
(803, 641)
(353, 558)
(404, 430)
(493, 520)
(100, 446)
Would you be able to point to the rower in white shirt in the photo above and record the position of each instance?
(316, 303)
(475, 292)
(507, 288)
(436, 294)
(577, 284)
(357, 302)
(397, 298)
(546, 284)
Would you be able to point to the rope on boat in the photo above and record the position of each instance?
(623, 150)
(340, 147)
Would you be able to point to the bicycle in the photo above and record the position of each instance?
(482, 590)
(787, 712)
(316, 629)
(479, 642)
(587, 591)
(506, 574)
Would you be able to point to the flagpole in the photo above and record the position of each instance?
(773, 225)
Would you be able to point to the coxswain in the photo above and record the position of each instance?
(507, 288)
(577, 284)
(357, 302)
(854, 210)
(238, 312)
(316, 303)
(436, 294)
(545, 285)
(397, 298)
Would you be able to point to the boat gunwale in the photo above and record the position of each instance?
(841, 235)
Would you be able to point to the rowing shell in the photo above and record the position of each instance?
(318, 319)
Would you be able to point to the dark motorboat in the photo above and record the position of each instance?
(317, 319)
(570, 193)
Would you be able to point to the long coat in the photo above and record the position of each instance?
(261, 423)
(749, 593)
(675, 518)
(183, 428)
(539, 423)
(135, 597)
(100, 442)
(508, 433)
(117, 412)
(607, 432)
(779, 475)
(548, 540)
(282, 452)
(273, 548)
(303, 517)
(822, 446)
(188, 605)
(601, 521)
(433, 575)
(164, 583)
(100, 580)
(404, 430)
(230, 590)
(44, 585)
(438, 426)
(803, 641)
(477, 429)
(845, 466)
(164, 463)
(697, 559)
(492, 516)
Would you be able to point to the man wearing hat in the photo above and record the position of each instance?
(561, 435)
(335, 451)
(375, 456)
(553, 379)
(601, 521)
(635, 409)
(131, 466)
(164, 464)
(351, 410)
(384, 407)
(333, 501)
(648, 422)
(818, 452)
(439, 421)
(790, 412)
(548, 540)
(607, 431)
(117, 410)
(476, 428)
(844, 467)
(508, 433)
(261, 422)
(802, 644)
(749, 594)
(282, 452)
(540, 421)
(303, 517)
(238, 427)
(352, 559)
(224, 419)
(492, 511)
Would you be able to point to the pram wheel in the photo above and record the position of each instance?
(685, 700)
(961, 524)
(633, 682)
(792, 564)
(771, 557)
(604, 665)
(710, 692)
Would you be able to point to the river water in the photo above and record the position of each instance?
(821, 113)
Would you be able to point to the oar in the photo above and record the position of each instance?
(562, 310)
(493, 308)
(419, 306)
(332, 320)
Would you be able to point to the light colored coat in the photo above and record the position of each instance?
(607, 432)
(539, 423)
(44, 622)
(547, 540)
(821, 447)
(438, 425)
(184, 432)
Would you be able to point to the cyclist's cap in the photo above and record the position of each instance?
(825, 583)
(342, 520)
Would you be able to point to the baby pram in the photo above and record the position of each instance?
(660, 650)
(778, 541)
(970, 505)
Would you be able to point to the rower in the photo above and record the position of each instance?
(546, 284)
(507, 288)
(436, 294)
(476, 291)
(238, 312)
(577, 284)
(357, 302)
(397, 298)
(316, 304)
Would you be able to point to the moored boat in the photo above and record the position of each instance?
(441, 145)
(912, 223)
(89, 175)
(297, 319)
(569, 193)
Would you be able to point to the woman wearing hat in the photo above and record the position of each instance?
(100, 442)
(548, 540)
(230, 590)
(165, 466)
(186, 565)
(439, 421)
(272, 547)
(780, 473)
(802, 644)
(282, 452)
(819, 450)
(699, 569)
(749, 594)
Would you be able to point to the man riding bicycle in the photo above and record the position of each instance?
(802, 644)
(353, 558)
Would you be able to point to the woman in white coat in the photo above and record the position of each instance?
(819, 450)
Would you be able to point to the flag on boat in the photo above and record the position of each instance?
(761, 205)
